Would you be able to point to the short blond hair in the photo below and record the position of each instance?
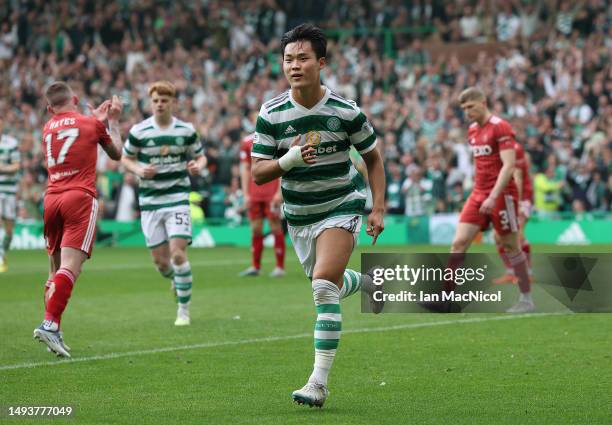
(58, 93)
(472, 93)
(163, 88)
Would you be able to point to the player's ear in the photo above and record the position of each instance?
(50, 109)
(322, 62)
(75, 100)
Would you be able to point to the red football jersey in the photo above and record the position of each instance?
(521, 163)
(70, 143)
(258, 193)
(486, 142)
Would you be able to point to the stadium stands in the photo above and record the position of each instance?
(546, 65)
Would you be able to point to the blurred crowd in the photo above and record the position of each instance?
(549, 74)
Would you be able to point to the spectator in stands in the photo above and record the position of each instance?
(395, 202)
(547, 191)
(608, 194)
(127, 199)
(417, 194)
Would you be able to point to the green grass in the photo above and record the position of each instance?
(538, 369)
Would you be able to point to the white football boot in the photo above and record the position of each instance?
(251, 271)
(182, 317)
(61, 338)
(53, 341)
(277, 272)
(522, 306)
(311, 394)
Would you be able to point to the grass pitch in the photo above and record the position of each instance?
(250, 345)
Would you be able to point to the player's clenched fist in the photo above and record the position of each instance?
(193, 168)
(147, 172)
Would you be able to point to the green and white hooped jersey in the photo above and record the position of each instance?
(332, 186)
(9, 154)
(167, 149)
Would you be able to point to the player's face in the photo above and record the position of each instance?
(474, 110)
(301, 66)
(162, 105)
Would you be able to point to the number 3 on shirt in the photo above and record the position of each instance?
(70, 134)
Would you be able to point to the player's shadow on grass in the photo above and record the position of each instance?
(310, 411)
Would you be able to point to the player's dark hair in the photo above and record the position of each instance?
(306, 32)
(58, 93)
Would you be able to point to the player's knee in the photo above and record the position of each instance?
(162, 264)
(510, 247)
(275, 226)
(178, 257)
(325, 292)
(257, 227)
(165, 271)
(327, 276)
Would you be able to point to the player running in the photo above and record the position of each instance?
(310, 130)
(494, 198)
(261, 201)
(9, 179)
(157, 151)
(70, 142)
(524, 185)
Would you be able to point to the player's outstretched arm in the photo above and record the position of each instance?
(101, 112)
(376, 177)
(518, 180)
(10, 168)
(245, 177)
(277, 201)
(266, 170)
(508, 158)
(134, 167)
(113, 149)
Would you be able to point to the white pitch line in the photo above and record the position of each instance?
(111, 356)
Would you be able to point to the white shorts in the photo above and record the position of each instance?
(304, 238)
(8, 206)
(161, 225)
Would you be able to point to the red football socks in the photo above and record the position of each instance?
(257, 249)
(48, 285)
(58, 295)
(527, 250)
(279, 249)
(502, 253)
(519, 263)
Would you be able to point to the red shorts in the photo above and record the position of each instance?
(70, 221)
(263, 209)
(503, 216)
